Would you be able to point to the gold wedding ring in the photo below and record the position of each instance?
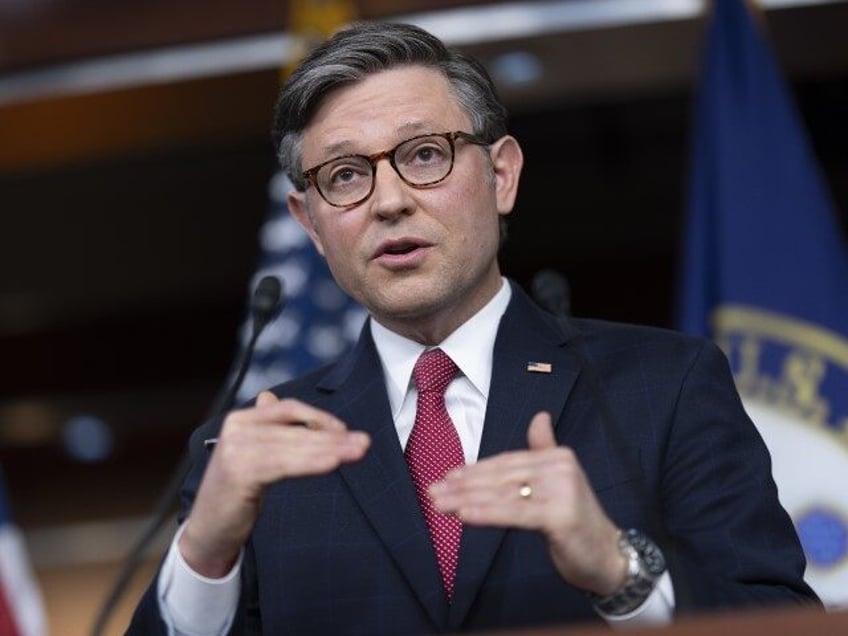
(525, 491)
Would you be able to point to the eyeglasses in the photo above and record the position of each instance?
(421, 161)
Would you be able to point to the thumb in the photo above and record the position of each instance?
(540, 434)
(266, 398)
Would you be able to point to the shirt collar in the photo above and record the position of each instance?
(470, 346)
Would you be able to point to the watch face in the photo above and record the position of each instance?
(645, 563)
(651, 556)
(654, 562)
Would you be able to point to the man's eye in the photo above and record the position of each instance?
(342, 176)
(428, 154)
(347, 174)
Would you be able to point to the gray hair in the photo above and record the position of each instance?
(366, 48)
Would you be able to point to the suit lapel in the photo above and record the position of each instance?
(525, 335)
(380, 482)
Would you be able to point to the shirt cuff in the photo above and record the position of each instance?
(657, 609)
(192, 604)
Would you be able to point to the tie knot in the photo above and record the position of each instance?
(434, 371)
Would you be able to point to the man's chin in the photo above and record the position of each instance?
(411, 307)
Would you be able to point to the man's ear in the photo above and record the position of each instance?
(507, 161)
(300, 209)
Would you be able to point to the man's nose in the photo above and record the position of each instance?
(391, 196)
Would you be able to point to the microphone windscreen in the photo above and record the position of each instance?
(550, 289)
(267, 296)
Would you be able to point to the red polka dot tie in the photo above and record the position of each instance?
(432, 450)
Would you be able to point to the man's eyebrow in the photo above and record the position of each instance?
(338, 148)
(416, 127)
(348, 147)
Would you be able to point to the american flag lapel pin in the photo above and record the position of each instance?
(539, 367)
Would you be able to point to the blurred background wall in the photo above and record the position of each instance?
(134, 169)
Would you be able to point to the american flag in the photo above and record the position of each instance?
(21, 606)
(318, 322)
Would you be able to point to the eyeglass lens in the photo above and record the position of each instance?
(419, 161)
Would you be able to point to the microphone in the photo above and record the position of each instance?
(265, 303)
(551, 291)
(267, 300)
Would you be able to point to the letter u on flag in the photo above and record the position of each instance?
(766, 274)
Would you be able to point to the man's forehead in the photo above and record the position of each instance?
(385, 107)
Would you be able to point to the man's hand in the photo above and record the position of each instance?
(561, 505)
(275, 439)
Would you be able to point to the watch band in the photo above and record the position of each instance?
(645, 565)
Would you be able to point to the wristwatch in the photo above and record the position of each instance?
(645, 565)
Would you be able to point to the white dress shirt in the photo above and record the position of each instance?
(193, 605)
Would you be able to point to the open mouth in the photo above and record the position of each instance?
(399, 247)
(406, 248)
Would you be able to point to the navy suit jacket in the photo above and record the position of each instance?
(349, 552)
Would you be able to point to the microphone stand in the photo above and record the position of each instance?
(265, 303)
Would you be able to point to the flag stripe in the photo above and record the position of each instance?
(21, 605)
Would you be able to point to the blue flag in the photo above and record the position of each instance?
(318, 322)
(766, 275)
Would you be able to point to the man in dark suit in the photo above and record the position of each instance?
(475, 462)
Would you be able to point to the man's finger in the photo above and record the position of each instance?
(265, 398)
(271, 410)
(540, 435)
